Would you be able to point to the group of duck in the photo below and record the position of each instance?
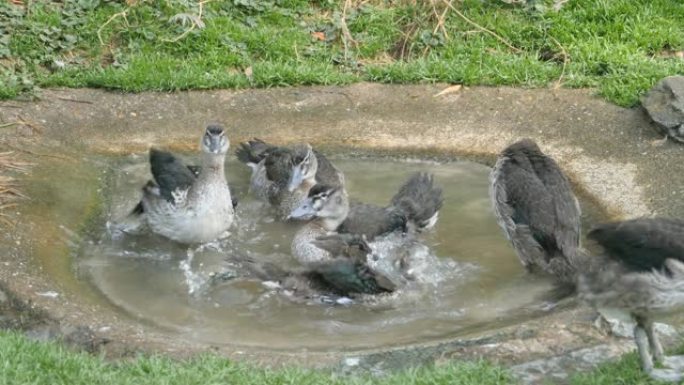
(640, 271)
(334, 243)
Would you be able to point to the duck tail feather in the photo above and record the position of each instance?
(419, 200)
(252, 151)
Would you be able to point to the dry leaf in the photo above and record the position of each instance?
(318, 35)
(449, 90)
(672, 53)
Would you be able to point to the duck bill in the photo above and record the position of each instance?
(215, 146)
(305, 211)
(296, 178)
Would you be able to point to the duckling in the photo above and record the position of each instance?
(283, 176)
(537, 210)
(643, 275)
(186, 207)
(348, 272)
(415, 206)
(345, 274)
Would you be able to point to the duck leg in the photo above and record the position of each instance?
(643, 338)
(654, 342)
(671, 362)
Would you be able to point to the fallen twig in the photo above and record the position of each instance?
(8, 160)
(565, 62)
(474, 24)
(36, 126)
(440, 20)
(346, 35)
(114, 16)
(74, 100)
(196, 22)
(35, 153)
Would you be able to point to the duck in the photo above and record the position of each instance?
(537, 210)
(345, 275)
(642, 274)
(327, 210)
(189, 204)
(283, 176)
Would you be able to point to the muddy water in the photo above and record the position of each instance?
(475, 282)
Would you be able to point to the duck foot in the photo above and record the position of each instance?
(659, 142)
(666, 375)
(674, 362)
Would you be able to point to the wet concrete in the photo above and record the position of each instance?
(608, 151)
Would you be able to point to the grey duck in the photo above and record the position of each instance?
(643, 275)
(283, 176)
(537, 210)
(345, 274)
(189, 204)
(327, 208)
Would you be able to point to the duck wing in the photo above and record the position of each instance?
(372, 220)
(345, 277)
(566, 209)
(169, 173)
(327, 173)
(253, 151)
(642, 244)
(278, 164)
(526, 211)
(419, 200)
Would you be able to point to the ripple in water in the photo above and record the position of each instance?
(462, 274)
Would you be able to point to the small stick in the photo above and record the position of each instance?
(474, 24)
(36, 154)
(114, 16)
(74, 100)
(565, 62)
(193, 26)
(346, 35)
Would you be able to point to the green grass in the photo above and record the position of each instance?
(615, 46)
(26, 362)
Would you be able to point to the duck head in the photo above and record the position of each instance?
(215, 140)
(327, 203)
(304, 167)
(522, 151)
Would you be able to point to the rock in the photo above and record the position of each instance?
(665, 105)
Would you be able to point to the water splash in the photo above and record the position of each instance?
(193, 280)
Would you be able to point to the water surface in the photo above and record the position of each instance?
(475, 280)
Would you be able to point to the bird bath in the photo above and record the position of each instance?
(133, 290)
(477, 282)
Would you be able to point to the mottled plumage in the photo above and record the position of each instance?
(535, 206)
(348, 271)
(283, 176)
(416, 205)
(643, 275)
(328, 210)
(182, 206)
